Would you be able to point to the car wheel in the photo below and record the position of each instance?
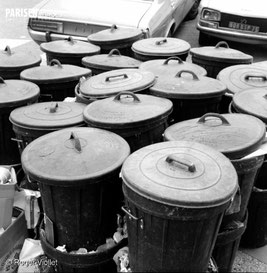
(192, 14)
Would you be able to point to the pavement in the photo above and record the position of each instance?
(247, 260)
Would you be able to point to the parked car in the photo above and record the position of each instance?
(233, 20)
(55, 19)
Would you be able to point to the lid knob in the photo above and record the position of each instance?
(112, 51)
(181, 163)
(113, 28)
(128, 94)
(179, 74)
(160, 42)
(2, 80)
(124, 76)
(53, 108)
(70, 39)
(173, 58)
(222, 43)
(76, 142)
(55, 61)
(255, 76)
(216, 115)
(8, 50)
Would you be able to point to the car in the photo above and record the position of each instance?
(55, 19)
(232, 20)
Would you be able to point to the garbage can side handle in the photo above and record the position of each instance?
(132, 217)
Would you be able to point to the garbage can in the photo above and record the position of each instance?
(176, 193)
(192, 95)
(68, 51)
(216, 58)
(78, 173)
(13, 94)
(14, 61)
(56, 81)
(227, 244)
(139, 119)
(160, 48)
(105, 62)
(32, 121)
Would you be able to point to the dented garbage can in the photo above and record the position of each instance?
(78, 173)
(176, 193)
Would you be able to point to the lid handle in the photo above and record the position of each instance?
(181, 163)
(113, 28)
(55, 61)
(255, 76)
(8, 50)
(160, 42)
(124, 76)
(70, 39)
(222, 43)
(53, 108)
(2, 80)
(128, 94)
(179, 74)
(173, 58)
(112, 51)
(216, 115)
(76, 142)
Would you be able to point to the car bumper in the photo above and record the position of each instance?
(242, 37)
(41, 37)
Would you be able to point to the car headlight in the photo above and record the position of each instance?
(210, 15)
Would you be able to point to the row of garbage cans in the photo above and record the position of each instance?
(184, 185)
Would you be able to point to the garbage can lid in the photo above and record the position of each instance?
(234, 135)
(115, 35)
(182, 86)
(55, 72)
(221, 53)
(17, 59)
(70, 47)
(243, 76)
(112, 82)
(171, 66)
(253, 102)
(181, 173)
(127, 110)
(17, 92)
(49, 115)
(74, 156)
(161, 46)
(113, 60)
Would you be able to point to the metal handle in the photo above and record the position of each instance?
(112, 51)
(76, 142)
(262, 77)
(216, 115)
(70, 39)
(132, 217)
(113, 28)
(116, 76)
(255, 189)
(8, 50)
(173, 58)
(222, 43)
(160, 42)
(179, 74)
(128, 94)
(55, 61)
(2, 80)
(181, 163)
(53, 108)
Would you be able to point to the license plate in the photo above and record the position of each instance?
(244, 27)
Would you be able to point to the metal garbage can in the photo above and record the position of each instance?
(176, 193)
(56, 81)
(32, 121)
(116, 37)
(13, 94)
(78, 174)
(139, 119)
(192, 95)
(216, 58)
(68, 51)
(105, 62)
(13, 62)
(160, 48)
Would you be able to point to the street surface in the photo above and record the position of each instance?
(13, 30)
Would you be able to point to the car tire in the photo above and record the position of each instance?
(192, 14)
